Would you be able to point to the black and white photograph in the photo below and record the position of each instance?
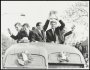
(44, 34)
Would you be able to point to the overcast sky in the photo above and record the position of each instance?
(34, 10)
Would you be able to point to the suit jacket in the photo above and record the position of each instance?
(58, 32)
(22, 34)
(37, 36)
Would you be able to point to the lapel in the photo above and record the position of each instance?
(43, 35)
(61, 36)
(29, 32)
(40, 34)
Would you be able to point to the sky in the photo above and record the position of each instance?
(34, 11)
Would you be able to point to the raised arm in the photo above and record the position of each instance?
(68, 33)
(46, 25)
(49, 18)
(62, 24)
(11, 35)
(14, 37)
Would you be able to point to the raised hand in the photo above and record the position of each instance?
(53, 12)
(9, 31)
(52, 15)
(73, 27)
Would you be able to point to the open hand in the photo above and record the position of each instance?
(9, 31)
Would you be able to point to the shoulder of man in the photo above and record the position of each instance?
(48, 30)
(34, 31)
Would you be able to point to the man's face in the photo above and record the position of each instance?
(40, 27)
(53, 25)
(18, 27)
(25, 28)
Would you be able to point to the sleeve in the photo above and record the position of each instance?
(14, 37)
(62, 24)
(68, 33)
(46, 25)
(32, 37)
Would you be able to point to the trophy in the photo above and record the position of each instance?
(52, 15)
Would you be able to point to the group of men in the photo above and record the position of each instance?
(55, 34)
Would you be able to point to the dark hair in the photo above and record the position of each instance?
(17, 24)
(33, 28)
(26, 24)
(38, 24)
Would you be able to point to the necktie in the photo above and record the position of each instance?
(40, 32)
(53, 30)
(54, 35)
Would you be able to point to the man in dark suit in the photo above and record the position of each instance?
(22, 33)
(39, 32)
(55, 32)
(27, 33)
(19, 35)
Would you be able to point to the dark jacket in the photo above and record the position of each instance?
(22, 34)
(58, 32)
(37, 36)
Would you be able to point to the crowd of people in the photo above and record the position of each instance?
(55, 34)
